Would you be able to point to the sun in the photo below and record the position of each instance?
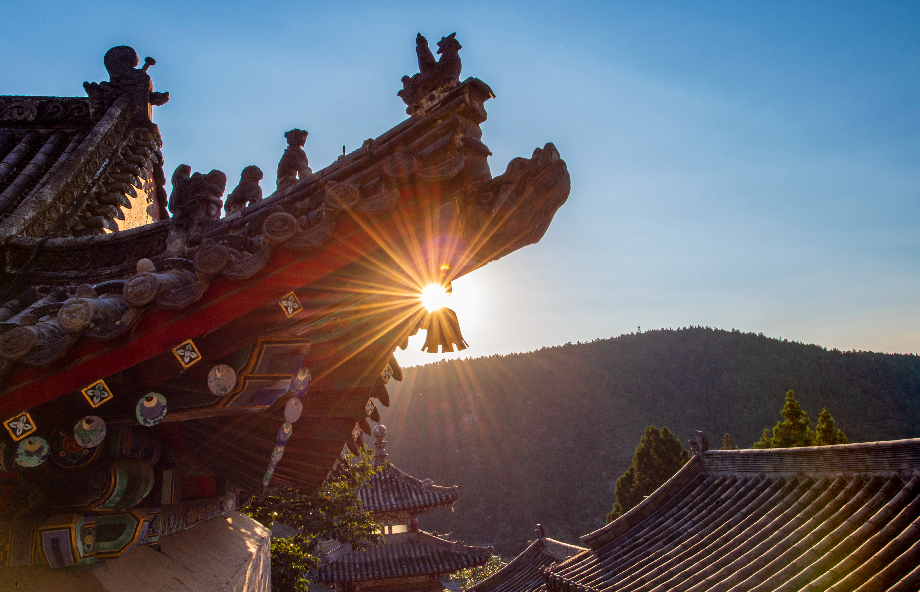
(434, 296)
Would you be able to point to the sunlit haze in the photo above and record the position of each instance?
(736, 165)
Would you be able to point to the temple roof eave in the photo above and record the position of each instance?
(524, 573)
(815, 517)
(405, 555)
(393, 491)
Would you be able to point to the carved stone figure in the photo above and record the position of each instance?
(435, 78)
(699, 443)
(195, 200)
(120, 62)
(247, 192)
(293, 166)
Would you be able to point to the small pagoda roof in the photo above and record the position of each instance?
(833, 517)
(525, 572)
(391, 490)
(407, 555)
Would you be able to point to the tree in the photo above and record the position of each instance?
(727, 443)
(332, 512)
(469, 577)
(825, 434)
(659, 455)
(795, 429)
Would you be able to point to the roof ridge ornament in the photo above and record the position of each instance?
(120, 62)
(380, 456)
(435, 78)
(699, 443)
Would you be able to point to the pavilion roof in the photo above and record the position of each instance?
(525, 572)
(406, 555)
(841, 517)
(392, 490)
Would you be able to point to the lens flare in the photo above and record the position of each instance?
(434, 296)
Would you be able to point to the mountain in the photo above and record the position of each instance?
(543, 436)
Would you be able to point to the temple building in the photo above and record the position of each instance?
(525, 572)
(408, 558)
(166, 356)
(839, 518)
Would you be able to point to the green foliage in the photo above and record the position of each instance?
(332, 512)
(792, 432)
(658, 456)
(541, 437)
(469, 577)
(825, 433)
(795, 429)
(727, 443)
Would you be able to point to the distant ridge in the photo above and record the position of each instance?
(542, 436)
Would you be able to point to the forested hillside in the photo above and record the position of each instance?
(542, 436)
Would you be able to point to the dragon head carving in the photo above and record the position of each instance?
(514, 210)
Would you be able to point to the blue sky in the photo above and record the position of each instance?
(736, 165)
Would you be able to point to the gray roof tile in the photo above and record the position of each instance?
(822, 518)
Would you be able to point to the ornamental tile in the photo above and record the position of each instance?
(290, 304)
(20, 426)
(187, 353)
(97, 393)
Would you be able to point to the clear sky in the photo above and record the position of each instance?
(735, 165)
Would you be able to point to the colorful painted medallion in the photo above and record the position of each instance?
(66, 452)
(186, 353)
(284, 434)
(386, 374)
(301, 382)
(97, 393)
(89, 431)
(290, 304)
(277, 453)
(89, 539)
(292, 410)
(20, 426)
(32, 452)
(151, 409)
(221, 379)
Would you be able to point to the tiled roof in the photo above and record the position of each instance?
(28, 157)
(525, 572)
(391, 490)
(402, 556)
(826, 518)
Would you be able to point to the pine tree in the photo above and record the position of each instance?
(765, 440)
(825, 433)
(795, 429)
(659, 455)
(727, 443)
